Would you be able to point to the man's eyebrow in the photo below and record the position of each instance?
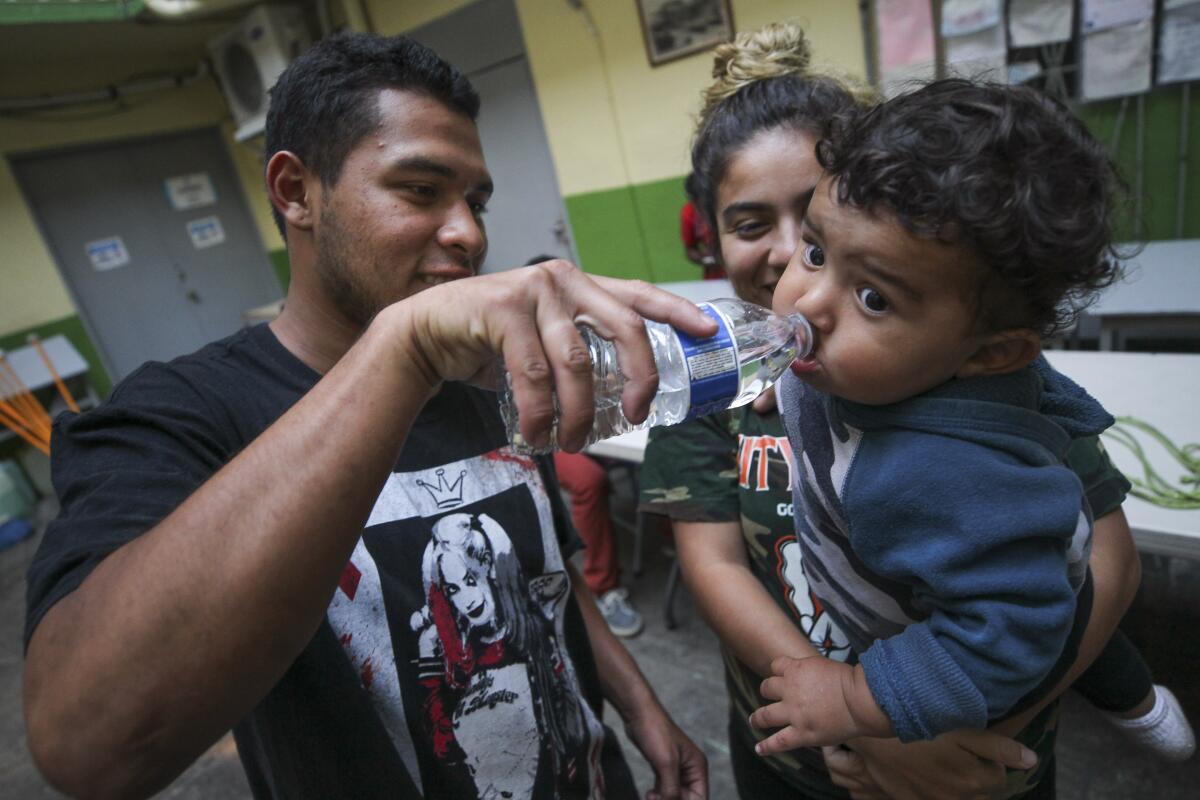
(890, 277)
(424, 164)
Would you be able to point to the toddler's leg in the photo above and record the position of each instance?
(1119, 684)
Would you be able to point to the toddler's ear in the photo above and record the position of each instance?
(1006, 351)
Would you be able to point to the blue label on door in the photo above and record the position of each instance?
(712, 367)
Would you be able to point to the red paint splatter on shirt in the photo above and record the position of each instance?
(525, 462)
(348, 583)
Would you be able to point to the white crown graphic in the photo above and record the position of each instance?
(446, 495)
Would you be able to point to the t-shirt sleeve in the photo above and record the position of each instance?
(1103, 483)
(690, 471)
(982, 539)
(117, 471)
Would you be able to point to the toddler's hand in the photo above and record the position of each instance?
(819, 702)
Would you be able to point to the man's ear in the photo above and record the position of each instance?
(289, 185)
(999, 353)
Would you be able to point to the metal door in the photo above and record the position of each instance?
(526, 217)
(154, 241)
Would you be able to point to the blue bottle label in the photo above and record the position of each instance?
(712, 366)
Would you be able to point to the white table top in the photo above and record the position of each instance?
(29, 366)
(1163, 279)
(1159, 389)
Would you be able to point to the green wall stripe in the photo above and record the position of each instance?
(29, 12)
(1160, 156)
(607, 238)
(282, 267)
(632, 232)
(610, 240)
(658, 205)
(72, 328)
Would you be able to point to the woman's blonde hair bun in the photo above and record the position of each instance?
(772, 51)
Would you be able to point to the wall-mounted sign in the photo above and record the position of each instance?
(205, 232)
(1179, 43)
(107, 253)
(190, 191)
(1101, 14)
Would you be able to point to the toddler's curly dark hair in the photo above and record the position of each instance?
(1007, 171)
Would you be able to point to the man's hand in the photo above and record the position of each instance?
(954, 766)
(454, 331)
(820, 702)
(680, 768)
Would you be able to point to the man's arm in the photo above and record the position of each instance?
(179, 633)
(680, 768)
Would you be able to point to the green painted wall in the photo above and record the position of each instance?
(27, 13)
(72, 328)
(1160, 160)
(282, 267)
(632, 232)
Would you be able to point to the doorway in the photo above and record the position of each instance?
(154, 241)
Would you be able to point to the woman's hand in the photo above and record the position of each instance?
(954, 766)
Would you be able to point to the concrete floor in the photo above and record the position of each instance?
(683, 665)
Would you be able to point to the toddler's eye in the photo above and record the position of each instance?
(813, 255)
(872, 300)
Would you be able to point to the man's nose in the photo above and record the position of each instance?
(463, 231)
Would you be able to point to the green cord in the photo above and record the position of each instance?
(1151, 487)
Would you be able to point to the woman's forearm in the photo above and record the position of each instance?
(712, 558)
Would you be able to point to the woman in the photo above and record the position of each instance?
(754, 172)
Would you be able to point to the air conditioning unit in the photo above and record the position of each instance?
(249, 58)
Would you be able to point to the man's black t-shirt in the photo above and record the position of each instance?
(452, 662)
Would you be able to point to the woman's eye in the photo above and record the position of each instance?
(749, 228)
(872, 300)
(479, 209)
(813, 255)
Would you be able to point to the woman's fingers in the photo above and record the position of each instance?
(994, 747)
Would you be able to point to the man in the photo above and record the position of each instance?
(309, 532)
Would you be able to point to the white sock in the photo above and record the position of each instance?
(1163, 730)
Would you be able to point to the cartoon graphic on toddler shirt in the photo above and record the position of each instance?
(816, 624)
(490, 662)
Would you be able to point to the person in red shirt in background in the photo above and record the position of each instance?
(697, 237)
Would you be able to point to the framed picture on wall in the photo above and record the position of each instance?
(676, 28)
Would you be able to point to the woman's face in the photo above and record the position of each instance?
(760, 204)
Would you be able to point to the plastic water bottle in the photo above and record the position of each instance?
(696, 377)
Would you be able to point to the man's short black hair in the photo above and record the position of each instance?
(326, 101)
(1007, 171)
